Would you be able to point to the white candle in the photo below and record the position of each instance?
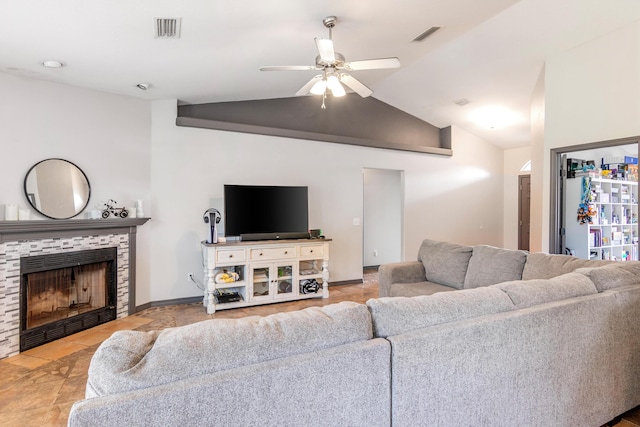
(10, 212)
(139, 210)
(24, 214)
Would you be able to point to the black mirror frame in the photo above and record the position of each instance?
(31, 199)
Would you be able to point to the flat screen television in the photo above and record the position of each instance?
(257, 212)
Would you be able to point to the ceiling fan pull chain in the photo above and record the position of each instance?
(324, 95)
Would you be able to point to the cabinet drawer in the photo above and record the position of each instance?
(272, 253)
(230, 256)
(311, 251)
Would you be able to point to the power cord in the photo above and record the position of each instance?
(193, 279)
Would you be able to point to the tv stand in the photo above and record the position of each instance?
(264, 272)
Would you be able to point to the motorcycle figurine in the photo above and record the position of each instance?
(112, 210)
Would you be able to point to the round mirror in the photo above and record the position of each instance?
(57, 188)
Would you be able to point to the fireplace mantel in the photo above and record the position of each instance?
(16, 231)
(11, 231)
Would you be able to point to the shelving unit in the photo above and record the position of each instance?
(268, 272)
(613, 231)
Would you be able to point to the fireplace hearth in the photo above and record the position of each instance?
(64, 293)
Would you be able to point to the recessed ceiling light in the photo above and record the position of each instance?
(143, 86)
(52, 64)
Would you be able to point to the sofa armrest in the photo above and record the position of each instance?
(399, 272)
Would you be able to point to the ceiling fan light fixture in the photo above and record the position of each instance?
(330, 63)
(336, 88)
(338, 91)
(319, 87)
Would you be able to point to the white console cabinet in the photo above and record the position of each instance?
(267, 272)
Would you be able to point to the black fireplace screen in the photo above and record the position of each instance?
(61, 294)
(65, 292)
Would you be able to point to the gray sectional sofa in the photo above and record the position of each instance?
(444, 266)
(537, 348)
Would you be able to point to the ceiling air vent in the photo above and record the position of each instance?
(167, 28)
(426, 34)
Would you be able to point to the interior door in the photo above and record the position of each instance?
(524, 211)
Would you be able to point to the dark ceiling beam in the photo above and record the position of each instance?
(348, 120)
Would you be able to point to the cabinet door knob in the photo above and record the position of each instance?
(286, 252)
(311, 251)
(231, 256)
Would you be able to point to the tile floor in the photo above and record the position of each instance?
(38, 386)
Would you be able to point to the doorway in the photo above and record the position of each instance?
(383, 199)
(574, 176)
(524, 211)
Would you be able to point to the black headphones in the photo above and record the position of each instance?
(215, 213)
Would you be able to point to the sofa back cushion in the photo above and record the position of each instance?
(394, 316)
(545, 266)
(614, 275)
(131, 360)
(527, 293)
(490, 265)
(445, 263)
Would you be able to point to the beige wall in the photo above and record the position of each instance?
(455, 198)
(538, 181)
(131, 149)
(592, 93)
(107, 136)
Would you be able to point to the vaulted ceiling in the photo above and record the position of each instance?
(487, 52)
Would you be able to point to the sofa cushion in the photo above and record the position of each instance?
(526, 293)
(417, 288)
(545, 266)
(445, 263)
(393, 316)
(490, 265)
(614, 275)
(132, 360)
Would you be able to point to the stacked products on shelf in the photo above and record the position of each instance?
(606, 226)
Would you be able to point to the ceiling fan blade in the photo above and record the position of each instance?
(325, 48)
(304, 90)
(372, 64)
(355, 85)
(288, 68)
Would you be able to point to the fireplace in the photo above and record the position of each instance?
(64, 293)
(30, 239)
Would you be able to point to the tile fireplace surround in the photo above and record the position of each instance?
(28, 238)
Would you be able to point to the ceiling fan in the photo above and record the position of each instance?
(334, 66)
